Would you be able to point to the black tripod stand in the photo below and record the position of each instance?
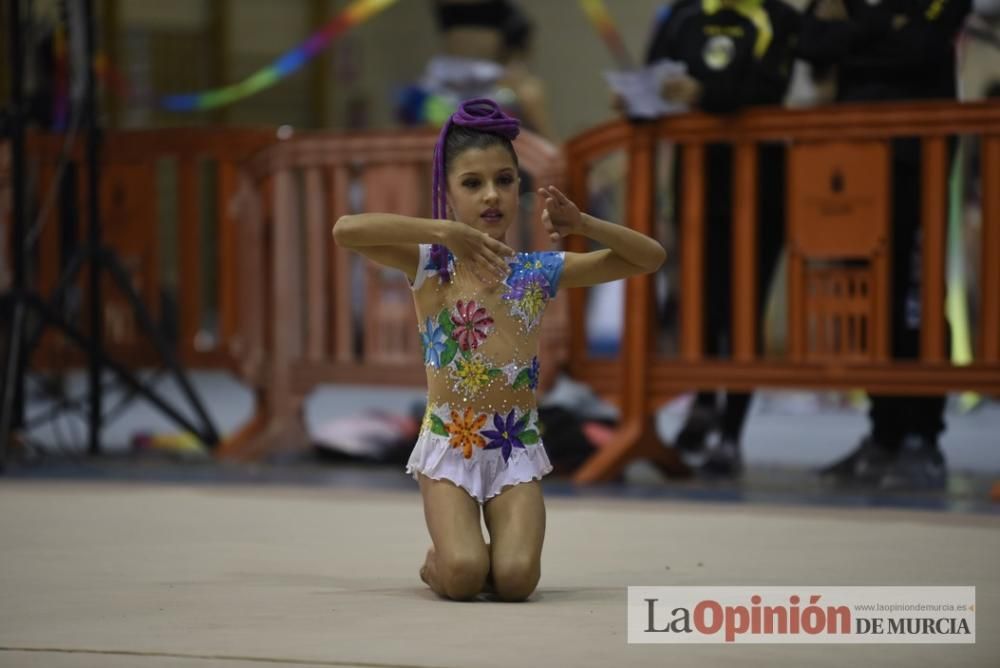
(24, 303)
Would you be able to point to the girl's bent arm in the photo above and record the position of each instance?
(393, 241)
(388, 239)
(628, 252)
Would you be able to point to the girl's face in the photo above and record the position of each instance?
(483, 189)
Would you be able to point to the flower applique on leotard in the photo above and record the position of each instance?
(531, 283)
(468, 430)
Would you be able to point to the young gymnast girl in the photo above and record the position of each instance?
(479, 305)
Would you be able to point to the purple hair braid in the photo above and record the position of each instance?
(481, 114)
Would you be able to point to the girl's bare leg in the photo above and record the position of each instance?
(457, 564)
(515, 519)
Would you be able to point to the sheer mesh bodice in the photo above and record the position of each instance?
(480, 345)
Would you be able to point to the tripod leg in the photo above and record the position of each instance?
(12, 392)
(95, 353)
(92, 147)
(124, 374)
(208, 435)
(57, 298)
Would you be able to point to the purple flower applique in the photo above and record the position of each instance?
(440, 262)
(527, 376)
(533, 371)
(507, 433)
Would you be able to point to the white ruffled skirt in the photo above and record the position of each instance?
(480, 452)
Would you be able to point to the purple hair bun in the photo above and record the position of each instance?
(480, 113)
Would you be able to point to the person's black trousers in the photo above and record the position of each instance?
(893, 417)
(718, 251)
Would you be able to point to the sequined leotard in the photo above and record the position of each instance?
(480, 345)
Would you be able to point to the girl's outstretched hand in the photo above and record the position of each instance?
(560, 216)
(486, 256)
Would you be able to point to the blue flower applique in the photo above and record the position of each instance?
(434, 341)
(533, 280)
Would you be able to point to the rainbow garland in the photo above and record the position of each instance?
(599, 17)
(288, 63)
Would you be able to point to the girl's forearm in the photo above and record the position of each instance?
(380, 229)
(633, 247)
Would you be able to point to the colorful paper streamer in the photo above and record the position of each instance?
(597, 14)
(290, 62)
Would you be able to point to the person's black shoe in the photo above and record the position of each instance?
(701, 420)
(919, 467)
(724, 460)
(865, 465)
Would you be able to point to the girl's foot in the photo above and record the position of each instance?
(424, 575)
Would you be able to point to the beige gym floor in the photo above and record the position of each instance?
(156, 575)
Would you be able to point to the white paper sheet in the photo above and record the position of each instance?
(640, 89)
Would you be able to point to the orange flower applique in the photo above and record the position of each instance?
(464, 430)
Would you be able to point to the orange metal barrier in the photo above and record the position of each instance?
(838, 315)
(288, 319)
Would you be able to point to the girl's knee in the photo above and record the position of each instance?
(462, 574)
(515, 578)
